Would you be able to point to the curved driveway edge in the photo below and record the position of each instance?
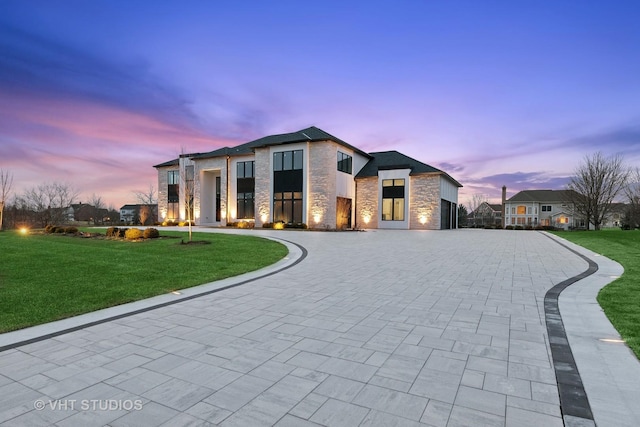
(609, 370)
(37, 333)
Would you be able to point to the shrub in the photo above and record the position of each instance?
(518, 227)
(184, 223)
(169, 223)
(133, 234)
(528, 227)
(121, 232)
(48, 228)
(71, 230)
(509, 227)
(59, 230)
(151, 233)
(112, 232)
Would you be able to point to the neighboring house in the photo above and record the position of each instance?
(616, 215)
(542, 207)
(89, 213)
(485, 214)
(130, 214)
(309, 177)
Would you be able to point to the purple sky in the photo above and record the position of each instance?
(94, 93)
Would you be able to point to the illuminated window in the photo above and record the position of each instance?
(393, 199)
(522, 210)
(287, 186)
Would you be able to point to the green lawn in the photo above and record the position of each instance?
(50, 277)
(621, 298)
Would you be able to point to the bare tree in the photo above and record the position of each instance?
(632, 193)
(50, 202)
(188, 184)
(6, 182)
(596, 183)
(97, 210)
(476, 201)
(149, 201)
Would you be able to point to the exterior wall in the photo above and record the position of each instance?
(321, 175)
(206, 172)
(424, 206)
(264, 191)
(366, 203)
(535, 216)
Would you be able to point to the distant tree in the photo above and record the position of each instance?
(49, 202)
(97, 209)
(6, 182)
(147, 198)
(595, 184)
(632, 193)
(476, 201)
(462, 215)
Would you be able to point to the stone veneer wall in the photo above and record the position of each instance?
(367, 202)
(321, 179)
(263, 186)
(424, 202)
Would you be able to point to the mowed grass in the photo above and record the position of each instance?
(50, 277)
(621, 298)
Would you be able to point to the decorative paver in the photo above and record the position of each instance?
(375, 328)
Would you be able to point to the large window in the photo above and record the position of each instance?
(246, 184)
(173, 194)
(522, 210)
(287, 186)
(393, 199)
(345, 163)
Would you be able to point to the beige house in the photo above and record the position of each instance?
(307, 177)
(542, 208)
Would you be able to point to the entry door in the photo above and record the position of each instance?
(343, 213)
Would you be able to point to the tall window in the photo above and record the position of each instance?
(345, 163)
(393, 199)
(246, 183)
(173, 194)
(287, 186)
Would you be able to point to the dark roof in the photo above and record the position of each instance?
(495, 206)
(551, 196)
(387, 160)
(174, 162)
(310, 134)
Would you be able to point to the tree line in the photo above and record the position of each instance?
(57, 203)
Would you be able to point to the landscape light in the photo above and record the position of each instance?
(24, 230)
(612, 340)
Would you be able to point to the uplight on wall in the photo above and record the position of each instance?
(317, 218)
(423, 219)
(366, 219)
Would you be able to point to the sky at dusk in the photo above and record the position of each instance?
(94, 93)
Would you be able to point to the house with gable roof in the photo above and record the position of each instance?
(542, 208)
(311, 177)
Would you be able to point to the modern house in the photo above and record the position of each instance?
(307, 177)
(542, 207)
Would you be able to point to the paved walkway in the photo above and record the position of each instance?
(377, 328)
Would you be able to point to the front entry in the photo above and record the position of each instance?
(343, 213)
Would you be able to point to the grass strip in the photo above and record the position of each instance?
(620, 299)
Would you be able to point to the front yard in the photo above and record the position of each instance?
(50, 277)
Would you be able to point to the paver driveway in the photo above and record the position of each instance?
(440, 328)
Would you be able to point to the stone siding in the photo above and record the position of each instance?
(263, 186)
(321, 204)
(367, 202)
(424, 202)
(206, 183)
(163, 182)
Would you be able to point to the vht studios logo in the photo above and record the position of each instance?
(88, 405)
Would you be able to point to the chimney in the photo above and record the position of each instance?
(504, 201)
